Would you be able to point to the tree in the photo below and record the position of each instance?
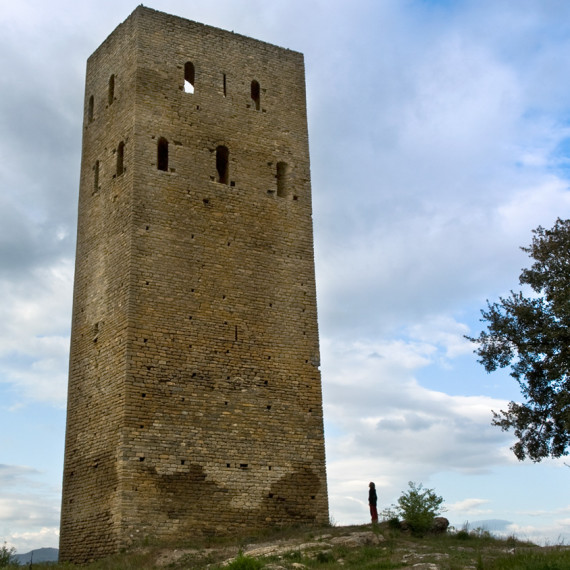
(531, 334)
(418, 507)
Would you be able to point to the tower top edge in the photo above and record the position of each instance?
(142, 11)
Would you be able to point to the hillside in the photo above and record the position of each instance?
(356, 547)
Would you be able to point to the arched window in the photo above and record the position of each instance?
(120, 158)
(96, 176)
(189, 77)
(256, 94)
(90, 106)
(162, 154)
(282, 179)
(223, 164)
(111, 92)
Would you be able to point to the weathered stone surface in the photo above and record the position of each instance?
(439, 525)
(356, 539)
(194, 390)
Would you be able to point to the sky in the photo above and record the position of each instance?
(440, 137)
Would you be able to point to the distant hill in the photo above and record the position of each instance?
(38, 555)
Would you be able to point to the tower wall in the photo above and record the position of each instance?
(194, 395)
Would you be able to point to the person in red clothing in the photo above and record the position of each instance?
(372, 502)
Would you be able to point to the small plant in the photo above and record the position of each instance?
(390, 517)
(418, 507)
(7, 556)
(464, 533)
(243, 562)
(324, 556)
(293, 555)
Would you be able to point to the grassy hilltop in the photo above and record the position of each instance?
(355, 547)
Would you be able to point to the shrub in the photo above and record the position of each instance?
(390, 517)
(324, 556)
(243, 562)
(7, 556)
(418, 507)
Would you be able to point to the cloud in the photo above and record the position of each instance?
(34, 333)
(20, 510)
(45, 537)
(541, 513)
(382, 425)
(468, 506)
(13, 475)
(29, 509)
(547, 534)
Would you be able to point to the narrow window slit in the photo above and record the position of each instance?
(282, 179)
(222, 164)
(96, 176)
(111, 92)
(90, 106)
(162, 154)
(189, 77)
(120, 158)
(256, 94)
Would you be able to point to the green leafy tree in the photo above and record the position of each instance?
(531, 334)
(418, 507)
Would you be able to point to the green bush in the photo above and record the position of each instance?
(324, 557)
(243, 562)
(418, 507)
(7, 556)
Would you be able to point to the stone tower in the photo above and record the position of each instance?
(194, 390)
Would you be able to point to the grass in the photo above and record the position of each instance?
(453, 551)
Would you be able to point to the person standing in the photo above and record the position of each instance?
(372, 502)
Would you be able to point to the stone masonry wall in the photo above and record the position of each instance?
(97, 390)
(195, 271)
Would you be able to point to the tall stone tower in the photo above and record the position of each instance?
(194, 390)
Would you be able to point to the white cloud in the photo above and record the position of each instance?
(45, 537)
(29, 513)
(468, 506)
(34, 329)
(547, 534)
(383, 426)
